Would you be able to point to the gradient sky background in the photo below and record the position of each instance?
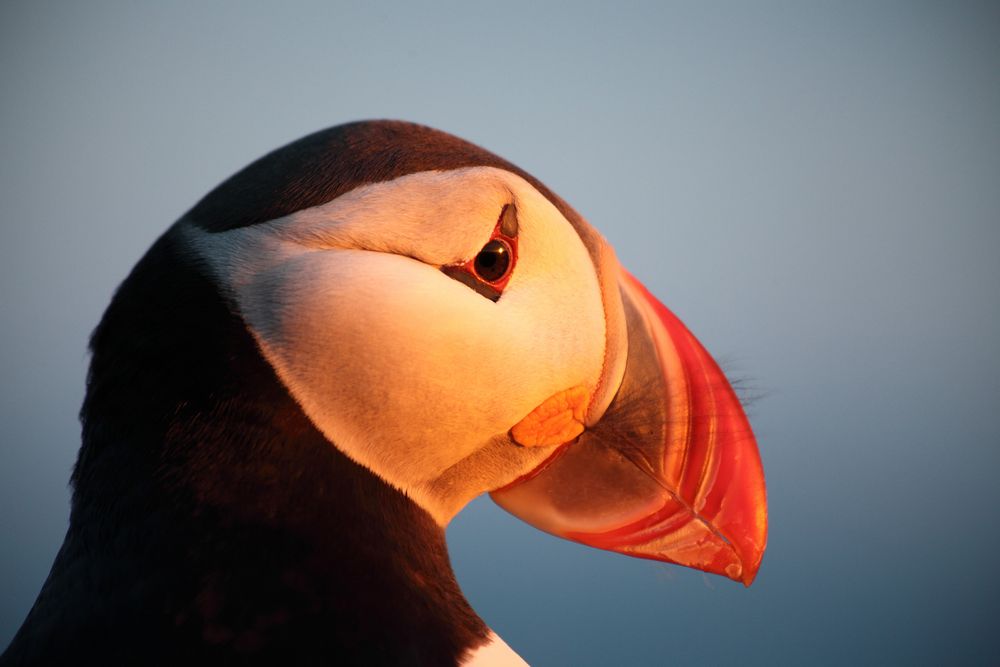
(813, 187)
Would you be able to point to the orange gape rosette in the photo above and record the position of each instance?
(670, 472)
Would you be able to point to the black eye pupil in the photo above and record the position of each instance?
(493, 261)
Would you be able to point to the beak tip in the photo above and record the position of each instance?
(748, 574)
(749, 547)
(751, 555)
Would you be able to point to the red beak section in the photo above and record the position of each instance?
(671, 470)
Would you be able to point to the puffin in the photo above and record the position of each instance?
(312, 371)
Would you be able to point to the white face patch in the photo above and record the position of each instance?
(406, 370)
(494, 653)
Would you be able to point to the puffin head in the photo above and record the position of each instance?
(450, 324)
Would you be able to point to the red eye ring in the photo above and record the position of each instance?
(491, 269)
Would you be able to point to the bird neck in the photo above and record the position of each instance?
(211, 518)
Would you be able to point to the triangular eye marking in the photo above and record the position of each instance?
(459, 273)
(508, 221)
(490, 270)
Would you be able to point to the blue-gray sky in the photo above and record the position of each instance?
(813, 187)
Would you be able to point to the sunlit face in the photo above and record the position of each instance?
(406, 368)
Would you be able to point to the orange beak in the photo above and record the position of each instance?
(669, 472)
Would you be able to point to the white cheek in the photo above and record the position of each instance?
(380, 356)
(409, 371)
(404, 369)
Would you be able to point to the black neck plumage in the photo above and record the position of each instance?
(211, 521)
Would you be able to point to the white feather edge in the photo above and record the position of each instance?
(495, 653)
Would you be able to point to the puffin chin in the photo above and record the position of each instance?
(670, 471)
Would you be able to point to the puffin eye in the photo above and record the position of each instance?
(493, 261)
(489, 271)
